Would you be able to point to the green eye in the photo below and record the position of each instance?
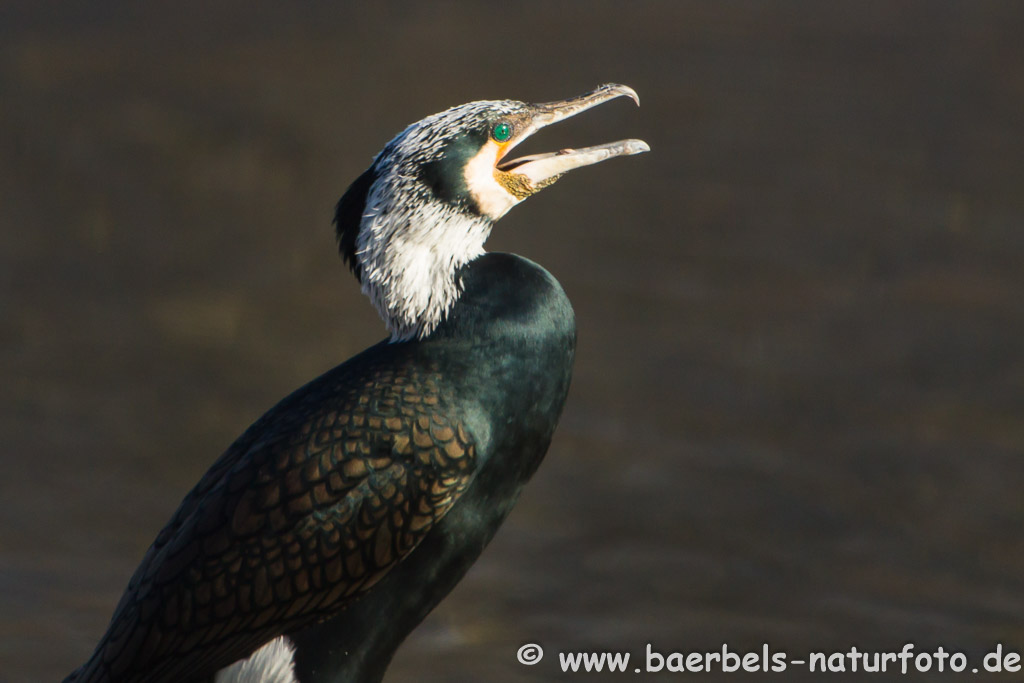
(502, 132)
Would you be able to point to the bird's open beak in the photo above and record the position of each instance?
(543, 169)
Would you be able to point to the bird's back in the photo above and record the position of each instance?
(333, 491)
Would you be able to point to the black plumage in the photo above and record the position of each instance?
(351, 508)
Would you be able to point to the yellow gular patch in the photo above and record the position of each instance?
(492, 196)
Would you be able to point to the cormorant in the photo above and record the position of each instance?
(340, 518)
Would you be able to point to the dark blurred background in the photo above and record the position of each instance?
(797, 410)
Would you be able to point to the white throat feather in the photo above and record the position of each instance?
(409, 253)
(411, 242)
(426, 205)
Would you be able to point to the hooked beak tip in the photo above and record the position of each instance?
(627, 91)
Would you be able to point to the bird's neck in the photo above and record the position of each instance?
(513, 310)
(409, 260)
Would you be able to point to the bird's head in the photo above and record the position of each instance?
(427, 203)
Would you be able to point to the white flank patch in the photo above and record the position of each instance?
(272, 663)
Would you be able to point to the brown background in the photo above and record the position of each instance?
(797, 410)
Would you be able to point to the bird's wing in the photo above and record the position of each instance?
(309, 508)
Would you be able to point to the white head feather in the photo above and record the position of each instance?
(426, 205)
(411, 242)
